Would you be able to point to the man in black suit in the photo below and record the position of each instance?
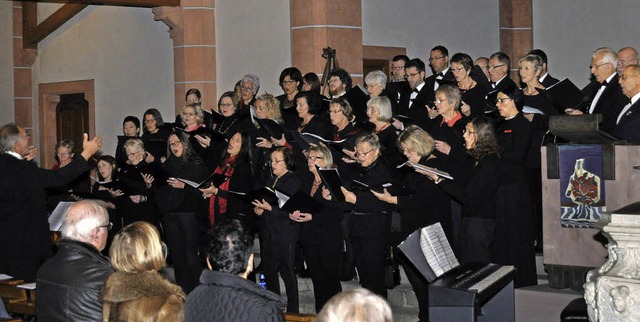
(25, 239)
(628, 121)
(499, 64)
(604, 93)
(545, 79)
(413, 104)
(397, 84)
(442, 74)
(626, 56)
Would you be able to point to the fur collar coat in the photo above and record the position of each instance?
(141, 297)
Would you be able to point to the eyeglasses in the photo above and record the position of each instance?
(276, 161)
(598, 66)
(64, 155)
(226, 104)
(363, 154)
(367, 86)
(175, 144)
(335, 111)
(440, 101)
(108, 226)
(625, 76)
(494, 67)
(333, 80)
(188, 114)
(432, 59)
(502, 100)
(287, 82)
(407, 75)
(314, 158)
(246, 89)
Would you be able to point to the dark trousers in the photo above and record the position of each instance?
(278, 258)
(181, 229)
(476, 238)
(321, 261)
(369, 239)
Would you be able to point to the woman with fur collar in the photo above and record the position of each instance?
(136, 291)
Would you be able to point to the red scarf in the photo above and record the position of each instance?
(227, 170)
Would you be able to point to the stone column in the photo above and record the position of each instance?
(23, 60)
(192, 28)
(612, 292)
(516, 31)
(318, 24)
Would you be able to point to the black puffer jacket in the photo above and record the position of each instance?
(226, 297)
(69, 283)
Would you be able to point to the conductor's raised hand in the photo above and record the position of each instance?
(90, 147)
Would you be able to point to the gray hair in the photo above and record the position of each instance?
(452, 93)
(358, 305)
(535, 60)
(9, 136)
(383, 105)
(254, 79)
(608, 55)
(135, 144)
(376, 77)
(370, 138)
(82, 218)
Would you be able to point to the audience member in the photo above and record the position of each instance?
(356, 305)
(69, 284)
(136, 292)
(225, 294)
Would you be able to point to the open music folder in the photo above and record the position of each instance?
(429, 251)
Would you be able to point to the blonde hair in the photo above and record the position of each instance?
(356, 305)
(417, 140)
(272, 106)
(196, 109)
(134, 145)
(137, 248)
(324, 153)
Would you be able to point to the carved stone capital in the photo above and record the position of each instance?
(27, 56)
(172, 17)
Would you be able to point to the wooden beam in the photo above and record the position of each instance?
(32, 36)
(122, 3)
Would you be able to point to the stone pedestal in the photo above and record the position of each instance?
(612, 292)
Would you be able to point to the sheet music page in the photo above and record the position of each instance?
(437, 250)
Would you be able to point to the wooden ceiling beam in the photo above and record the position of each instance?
(33, 33)
(121, 3)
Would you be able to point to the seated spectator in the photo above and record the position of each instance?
(356, 305)
(225, 293)
(136, 291)
(69, 283)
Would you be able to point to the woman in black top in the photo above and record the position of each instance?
(380, 113)
(514, 130)
(267, 107)
(180, 205)
(136, 178)
(291, 84)
(155, 134)
(320, 235)
(279, 233)
(226, 199)
(473, 94)
(368, 219)
(420, 204)
(477, 196)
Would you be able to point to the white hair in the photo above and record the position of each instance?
(82, 218)
(608, 55)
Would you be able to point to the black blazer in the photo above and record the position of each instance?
(447, 78)
(417, 112)
(629, 126)
(609, 104)
(24, 230)
(548, 81)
